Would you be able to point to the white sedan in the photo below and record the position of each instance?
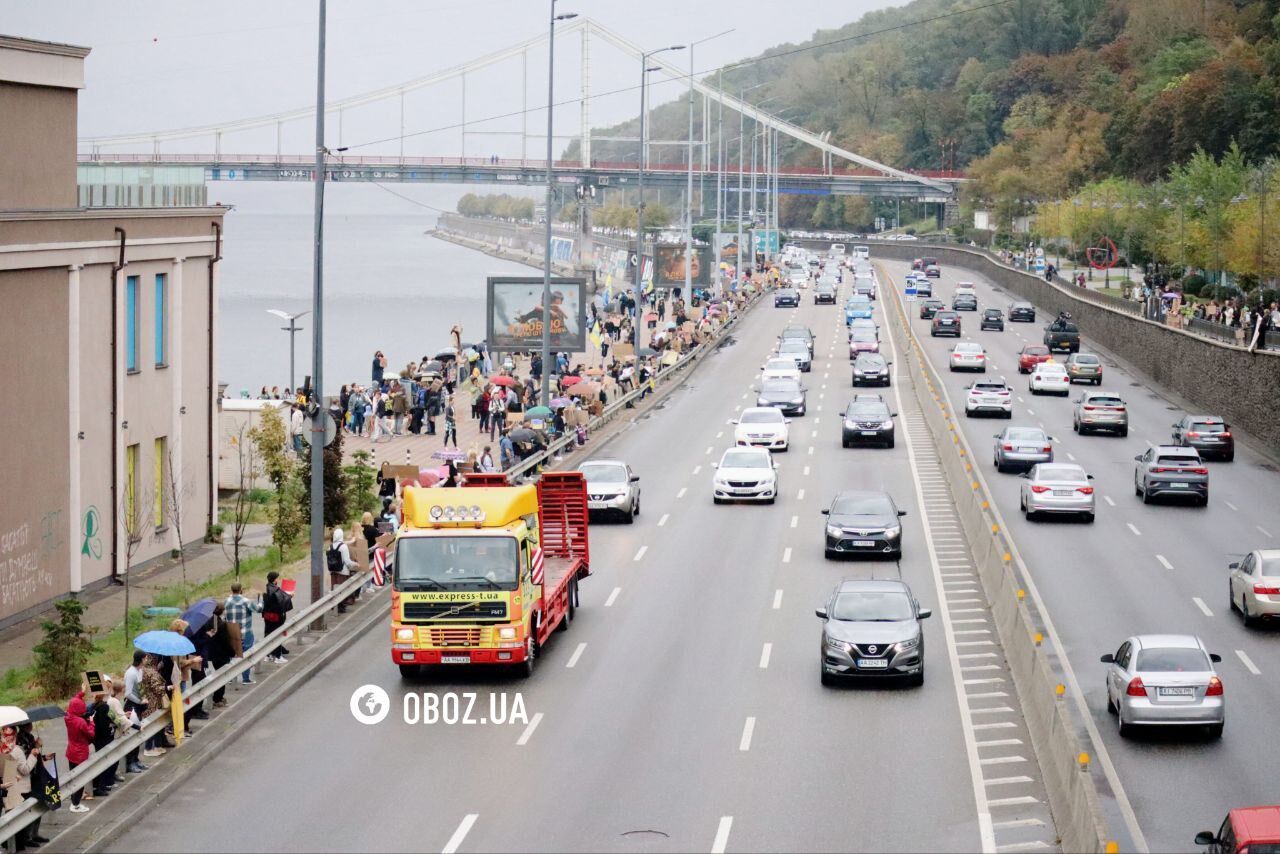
(763, 427)
(1049, 378)
(989, 396)
(969, 356)
(745, 474)
(780, 369)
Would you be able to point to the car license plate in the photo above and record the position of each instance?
(873, 663)
(867, 432)
(1176, 485)
(455, 659)
(864, 544)
(1176, 692)
(1062, 493)
(595, 505)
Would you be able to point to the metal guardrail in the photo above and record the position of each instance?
(1209, 329)
(29, 810)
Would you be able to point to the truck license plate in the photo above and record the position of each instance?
(873, 663)
(455, 659)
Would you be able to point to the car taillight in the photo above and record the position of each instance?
(1090, 408)
(1263, 590)
(1193, 434)
(1037, 489)
(1136, 688)
(1005, 393)
(1215, 687)
(979, 356)
(1198, 470)
(1047, 448)
(1087, 490)
(1226, 434)
(1006, 447)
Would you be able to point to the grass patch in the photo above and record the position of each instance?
(18, 686)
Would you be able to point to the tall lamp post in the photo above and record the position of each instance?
(639, 281)
(293, 329)
(546, 245)
(688, 196)
(316, 404)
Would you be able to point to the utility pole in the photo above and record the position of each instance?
(316, 404)
(719, 179)
(639, 279)
(688, 194)
(546, 245)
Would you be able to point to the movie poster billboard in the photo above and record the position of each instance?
(670, 261)
(514, 311)
(728, 253)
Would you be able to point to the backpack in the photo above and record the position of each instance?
(335, 560)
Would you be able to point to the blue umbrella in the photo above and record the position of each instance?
(539, 412)
(164, 643)
(199, 614)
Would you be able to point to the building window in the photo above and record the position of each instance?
(161, 319)
(157, 508)
(131, 520)
(131, 323)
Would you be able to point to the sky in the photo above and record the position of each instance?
(174, 64)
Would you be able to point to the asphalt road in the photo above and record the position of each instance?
(1139, 568)
(682, 711)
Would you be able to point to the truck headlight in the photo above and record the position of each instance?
(893, 532)
(507, 632)
(405, 634)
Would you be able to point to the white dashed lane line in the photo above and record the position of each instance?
(721, 841)
(748, 729)
(528, 730)
(613, 597)
(786, 555)
(577, 653)
(1134, 528)
(1248, 663)
(1164, 561)
(455, 841)
(1229, 504)
(1204, 609)
(640, 553)
(1107, 498)
(765, 652)
(1264, 531)
(682, 491)
(777, 599)
(663, 520)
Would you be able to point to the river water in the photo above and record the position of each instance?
(388, 285)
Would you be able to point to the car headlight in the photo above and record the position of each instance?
(886, 425)
(909, 643)
(858, 373)
(833, 531)
(892, 532)
(797, 400)
(507, 632)
(837, 644)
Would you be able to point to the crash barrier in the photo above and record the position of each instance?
(1221, 377)
(1059, 724)
(672, 373)
(29, 810)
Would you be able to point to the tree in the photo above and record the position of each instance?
(362, 483)
(248, 470)
(177, 489)
(282, 470)
(63, 653)
(135, 513)
(336, 485)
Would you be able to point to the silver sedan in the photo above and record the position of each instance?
(1255, 586)
(1164, 680)
(1021, 448)
(1057, 488)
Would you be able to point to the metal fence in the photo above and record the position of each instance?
(1209, 329)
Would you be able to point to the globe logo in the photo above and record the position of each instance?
(370, 704)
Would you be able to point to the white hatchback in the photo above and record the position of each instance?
(763, 427)
(989, 396)
(1049, 378)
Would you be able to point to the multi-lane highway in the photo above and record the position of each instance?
(683, 708)
(1139, 568)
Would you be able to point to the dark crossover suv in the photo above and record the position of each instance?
(871, 369)
(787, 297)
(945, 323)
(1023, 312)
(863, 523)
(992, 318)
(867, 422)
(1208, 434)
(872, 628)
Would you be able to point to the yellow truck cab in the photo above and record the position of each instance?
(484, 573)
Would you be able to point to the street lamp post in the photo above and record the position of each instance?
(293, 329)
(639, 279)
(316, 404)
(688, 197)
(546, 246)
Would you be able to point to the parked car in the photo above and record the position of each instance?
(867, 421)
(968, 356)
(763, 427)
(871, 369)
(1164, 680)
(1084, 366)
(945, 323)
(1049, 378)
(1100, 410)
(1021, 448)
(863, 523)
(871, 627)
(1254, 585)
(992, 318)
(989, 397)
(1208, 434)
(1170, 470)
(930, 307)
(1057, 489)
(613, 489)
(1031, 355)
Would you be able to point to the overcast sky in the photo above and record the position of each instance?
(160, 65)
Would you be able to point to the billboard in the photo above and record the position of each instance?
(514, 311)
(669, 265)
(728, 249)
(562, 249)
(765, 240)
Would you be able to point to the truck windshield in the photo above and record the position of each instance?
(456, 563)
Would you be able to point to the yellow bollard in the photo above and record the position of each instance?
(1022, 594)
(975, 484)
(1038, 638)
(1083, 759)
(995, 529)
(1112, 847)
(1007, 557)
(1060, 690)
(986, 505)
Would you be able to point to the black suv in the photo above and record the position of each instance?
(786, 296)
(1208, 434)
(945, 323)
(964, 302)
(1022, 311)
(930, 307)
(867, 421)
(870, 369)
(993, 318)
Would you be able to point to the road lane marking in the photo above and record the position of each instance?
(1134, 528)
(1012, 802)
(995, 725)
(1164, 561)
(709, 450)
(786, 555)
(1107, 498)
(1071, 456)
(640, 553)
(455, 841)
(577, 653)
(1264, 531)
(1001, 742)
(765, 653)
(613, 597)
(795, 520)
(721, 433)
(800, 494)
(663, 520)
(806, 471)
(747, 729)
(1030, 411)
(697, 469)
(777, 599)
(682, 491)
(1229, 504)
(1203, 607)
(722, 835)
(1249, 665)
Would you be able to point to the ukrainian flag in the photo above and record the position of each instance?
(595, 335)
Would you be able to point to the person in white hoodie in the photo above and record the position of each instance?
(340, 565)
(295, 428)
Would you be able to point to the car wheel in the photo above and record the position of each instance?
(1146, 497)
(717, 500)
(630, 517)
(995, 461)
(1214, 731)
(890, 445)
(827, 679)
(1088, 518)
(1123, 728)
(771, 500)
(915, 680)
(1204, 502)
(1008, 415)
(1075, 425)
(1111, 704)
(1137, 490)
(1229, 457)
(409, 671)
(637, 505)
(1124, 431)
(1032, 390)
(844, 443)
(1245, 616)
(530, 662)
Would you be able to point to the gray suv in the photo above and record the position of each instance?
(1172, 470)
(872, 628)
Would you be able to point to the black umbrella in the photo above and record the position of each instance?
(432, 367)
(646, 351)
(448, 354)
(45, 713)
(523, 434)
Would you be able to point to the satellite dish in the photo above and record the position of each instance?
(330, 428)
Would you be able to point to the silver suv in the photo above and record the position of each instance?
(1171, 470)
(872, 628)
(613, 489)
(1100, 410)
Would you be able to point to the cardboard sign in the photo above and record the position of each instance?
(93, 682)
(623, 351)
(399, 472)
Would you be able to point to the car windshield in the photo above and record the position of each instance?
(1024, 434)
(867, 412)
(862, 505)
(456, 563)
(782, 387)
(1037, 350)
(1086, 359)
(793, 345)
(1021, 305)
(860, 301)
(1059, 474)
(991, 312)
(780, 365)
(968, 348)
(1269, 566)
(989, 387)
(1051, 368)
(761, 416)
(1208, 426)
(933, 303)
(863, 336)
(1172, 660)
(1178, 460)
(604, 473)
(873, 606)
(745, 460)
(867, 362)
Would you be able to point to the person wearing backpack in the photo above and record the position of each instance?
(275, 605)
(340, 565)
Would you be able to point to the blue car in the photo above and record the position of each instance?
(858, 306)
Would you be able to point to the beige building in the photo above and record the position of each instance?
(107, 318)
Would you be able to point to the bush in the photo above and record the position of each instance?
(63, 654)
(1193, 284)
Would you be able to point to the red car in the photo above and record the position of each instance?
(1245, 830)
(1030, 356)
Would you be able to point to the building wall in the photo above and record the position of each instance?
(43, 143)
(34, 538)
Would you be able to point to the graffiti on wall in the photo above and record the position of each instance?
(25, 553)
(90, 533)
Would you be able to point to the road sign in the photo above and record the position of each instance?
(330, 429)
(911, 293)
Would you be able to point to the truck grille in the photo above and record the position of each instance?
(418, 611)
(455, 637)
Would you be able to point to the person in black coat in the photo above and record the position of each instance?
(221, 649)
(104, 732)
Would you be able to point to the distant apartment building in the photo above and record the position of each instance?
(107, 331)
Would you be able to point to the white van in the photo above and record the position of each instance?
(863, 252)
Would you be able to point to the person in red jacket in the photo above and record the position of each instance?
(79, 737)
